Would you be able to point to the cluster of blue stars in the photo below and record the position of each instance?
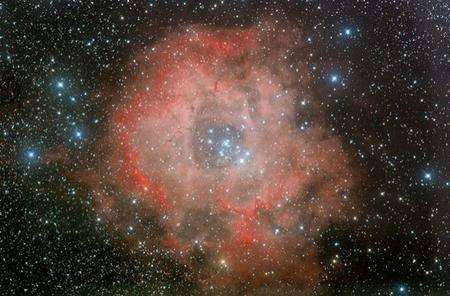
(226, 144)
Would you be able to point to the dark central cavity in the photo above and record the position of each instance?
(218, 145)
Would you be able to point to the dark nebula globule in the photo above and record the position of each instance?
(224, 148)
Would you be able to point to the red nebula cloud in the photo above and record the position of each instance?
(208, 137)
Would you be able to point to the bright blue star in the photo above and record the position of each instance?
(348, 32)
(336, 79)
(31, 154)
(304, 125)
(78, 134)
(428, 176)
(402, 289)
(90, 42)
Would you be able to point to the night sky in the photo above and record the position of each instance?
(225, 147)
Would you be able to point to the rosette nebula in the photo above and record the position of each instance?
(225, 148)
(220, 140)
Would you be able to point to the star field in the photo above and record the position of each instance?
(225, 147)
